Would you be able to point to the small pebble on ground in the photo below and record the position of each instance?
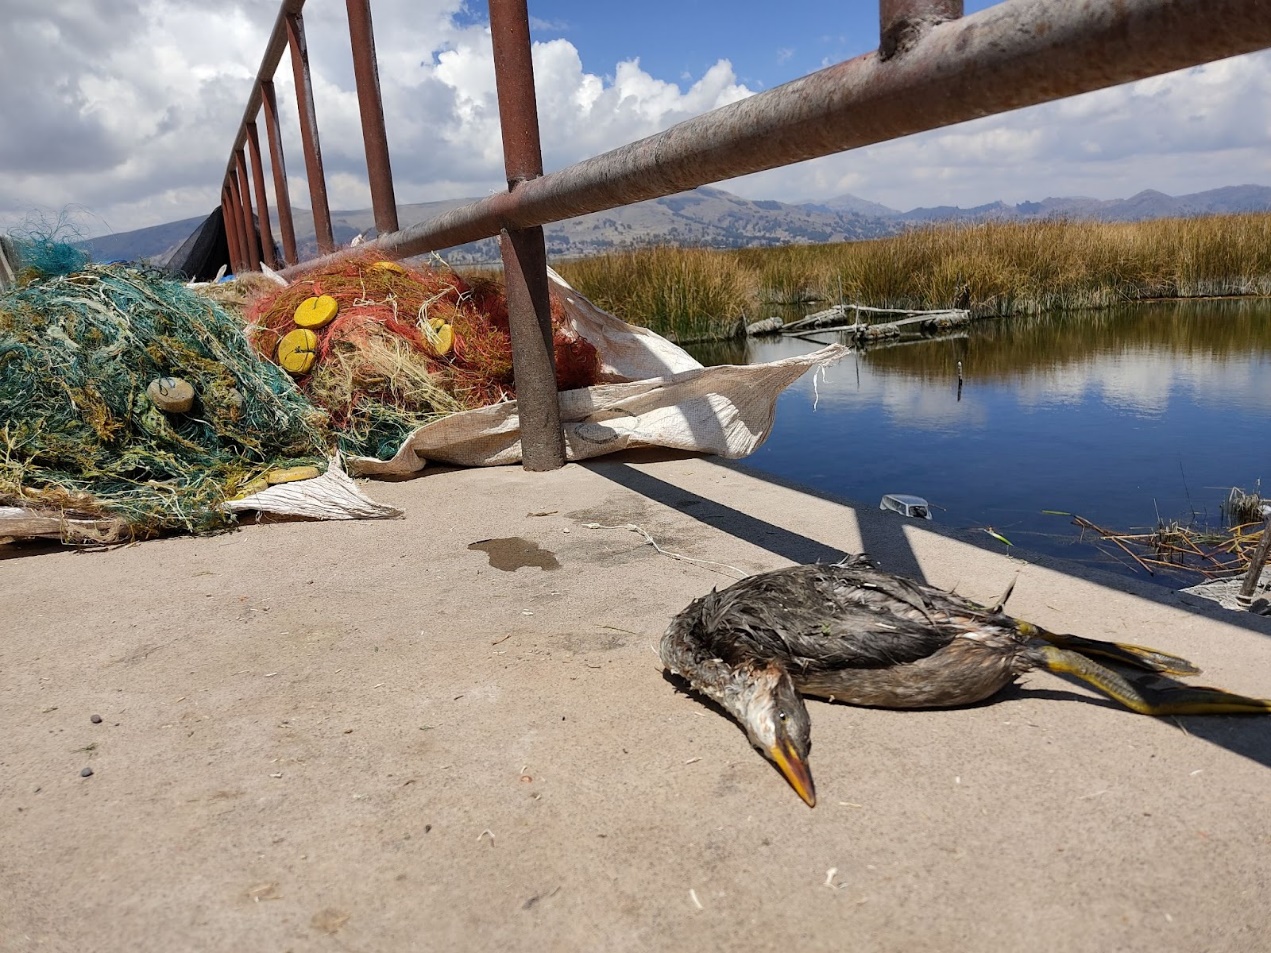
(96, 719)
(86, 773)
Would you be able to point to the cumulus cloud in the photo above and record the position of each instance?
(128, 108)
(134, 131)
(1186, 131)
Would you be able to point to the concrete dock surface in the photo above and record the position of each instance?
(450, 731)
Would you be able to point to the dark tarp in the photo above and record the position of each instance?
(203, 253)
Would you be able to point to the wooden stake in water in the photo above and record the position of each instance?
(1245, 596)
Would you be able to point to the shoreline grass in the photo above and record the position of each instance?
(995, 269)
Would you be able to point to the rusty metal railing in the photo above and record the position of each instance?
(933, 68)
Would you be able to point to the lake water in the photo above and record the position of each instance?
(1121, 416)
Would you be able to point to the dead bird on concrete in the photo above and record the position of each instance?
(853, 633)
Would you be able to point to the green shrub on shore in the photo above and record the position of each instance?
(995, 268)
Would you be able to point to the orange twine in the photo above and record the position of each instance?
(477, 371)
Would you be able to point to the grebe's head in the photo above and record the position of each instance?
(777, 724)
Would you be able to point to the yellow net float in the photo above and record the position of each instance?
(297, 351)
(392, 266)
(440, 335)
(445, 340)
(291, 475)
(316, 312)
(275, 477)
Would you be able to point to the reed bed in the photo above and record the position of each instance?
(1245, 507)
(685, 294)
(995, 269)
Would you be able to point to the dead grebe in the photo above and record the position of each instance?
(852, 633)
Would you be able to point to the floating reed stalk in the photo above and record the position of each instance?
(1212, 554)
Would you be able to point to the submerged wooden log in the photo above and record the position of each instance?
(771, 325)
(838, 319)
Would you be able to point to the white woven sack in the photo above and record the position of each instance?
(657, 395)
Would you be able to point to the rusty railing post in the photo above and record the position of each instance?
(240, 234)
(278, 165)
(230, 221)
(309, 134)
(371, 105)
(902, 22)
(524, 251)
(249, 219)
(262, 200)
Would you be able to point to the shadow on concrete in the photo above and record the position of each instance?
(775, 539)
(882, 534)
(884, 538)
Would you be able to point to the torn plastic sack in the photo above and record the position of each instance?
(657, 396)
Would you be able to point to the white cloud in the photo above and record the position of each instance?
(1186, 131)
(128, 107)
(136, 125)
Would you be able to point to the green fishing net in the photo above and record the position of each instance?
(80, 437)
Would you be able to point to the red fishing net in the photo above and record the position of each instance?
(390, 307)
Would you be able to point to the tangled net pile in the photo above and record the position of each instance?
(42, 253)
(385, 367)
(79, 435)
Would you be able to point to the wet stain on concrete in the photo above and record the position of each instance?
(514, 553)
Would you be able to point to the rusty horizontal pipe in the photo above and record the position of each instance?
(1015, 54)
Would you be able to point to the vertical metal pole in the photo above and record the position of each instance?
(371, 105)
(224, 217)
(249, 219)
(901, 22)
(282, 194)
(236, 214)
(231, 226)
(524, 252)
(240, 231)
(262, 200)
(309, 134)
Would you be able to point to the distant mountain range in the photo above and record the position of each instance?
(715, 218)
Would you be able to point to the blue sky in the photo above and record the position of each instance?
(123, 111)
(767, 43)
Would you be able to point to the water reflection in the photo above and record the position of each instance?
(1118, 415)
